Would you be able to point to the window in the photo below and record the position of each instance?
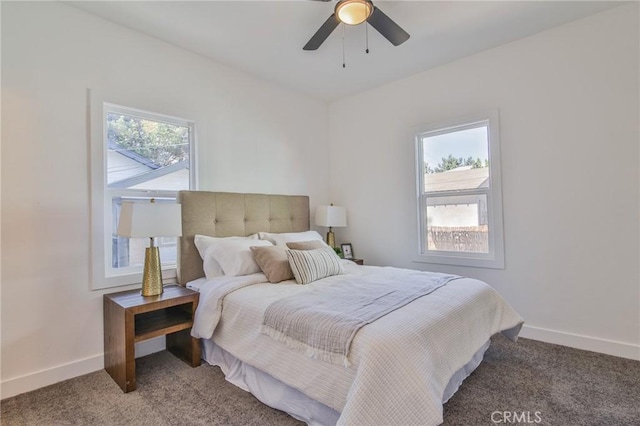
(141, 155)
(459, 192)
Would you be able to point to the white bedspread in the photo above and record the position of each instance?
(400, 364)
(323, 324)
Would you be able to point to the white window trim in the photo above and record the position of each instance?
(102, 275)
(495, 257)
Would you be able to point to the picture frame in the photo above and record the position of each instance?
(347, 250)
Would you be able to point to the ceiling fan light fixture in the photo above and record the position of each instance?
(354, 12)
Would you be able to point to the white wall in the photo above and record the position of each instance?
(568, 102)
(252, 137)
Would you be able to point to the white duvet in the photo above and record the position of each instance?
(400, 364)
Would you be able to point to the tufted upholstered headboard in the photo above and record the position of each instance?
(226, 214)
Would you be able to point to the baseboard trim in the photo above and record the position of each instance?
(49, 376)
(150, 346)
(578, 341)
(42, 378)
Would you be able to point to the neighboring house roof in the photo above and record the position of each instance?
(126, 171)
(457, 179)
(133, 155)
(121, 167)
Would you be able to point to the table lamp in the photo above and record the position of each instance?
(331, 216)
(150, 220)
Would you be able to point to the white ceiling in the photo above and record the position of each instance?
(265, 38)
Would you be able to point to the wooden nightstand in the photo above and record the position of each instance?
(358, 261)
(130, 318)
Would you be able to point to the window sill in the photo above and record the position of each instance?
(169, 276)
(473, 262)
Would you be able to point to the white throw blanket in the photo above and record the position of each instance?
(212, 295)
(401, 363)
(323, 324)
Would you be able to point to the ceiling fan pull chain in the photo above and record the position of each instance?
(344, 65)
(366, 32)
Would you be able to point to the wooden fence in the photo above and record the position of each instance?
(470, 239)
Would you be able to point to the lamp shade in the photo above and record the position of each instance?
(150, 220)
(331, 216)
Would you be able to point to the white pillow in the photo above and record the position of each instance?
(289, 237)
(235, 256)
(210, 265)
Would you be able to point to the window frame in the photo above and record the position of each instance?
(103, 275)
(495, 258)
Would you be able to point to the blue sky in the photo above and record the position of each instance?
(463, 143)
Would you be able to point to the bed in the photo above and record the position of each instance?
(400, 368)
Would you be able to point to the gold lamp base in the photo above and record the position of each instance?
(152, 275)
(331, 238)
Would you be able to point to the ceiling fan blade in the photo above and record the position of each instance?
(389, 29)
(323, 32)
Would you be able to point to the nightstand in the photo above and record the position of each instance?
(358, 261)
(130, 318)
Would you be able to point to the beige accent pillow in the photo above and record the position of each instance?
(312, 265)
(273, 262)
(307, 245)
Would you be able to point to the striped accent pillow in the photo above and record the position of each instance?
(311, 265)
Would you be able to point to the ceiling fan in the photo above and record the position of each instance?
(355, 12)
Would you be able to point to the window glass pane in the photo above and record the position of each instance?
(146, 154)
(457, 160)
(457, 224)
(130, 252)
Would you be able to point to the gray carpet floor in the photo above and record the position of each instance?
(552, 385)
